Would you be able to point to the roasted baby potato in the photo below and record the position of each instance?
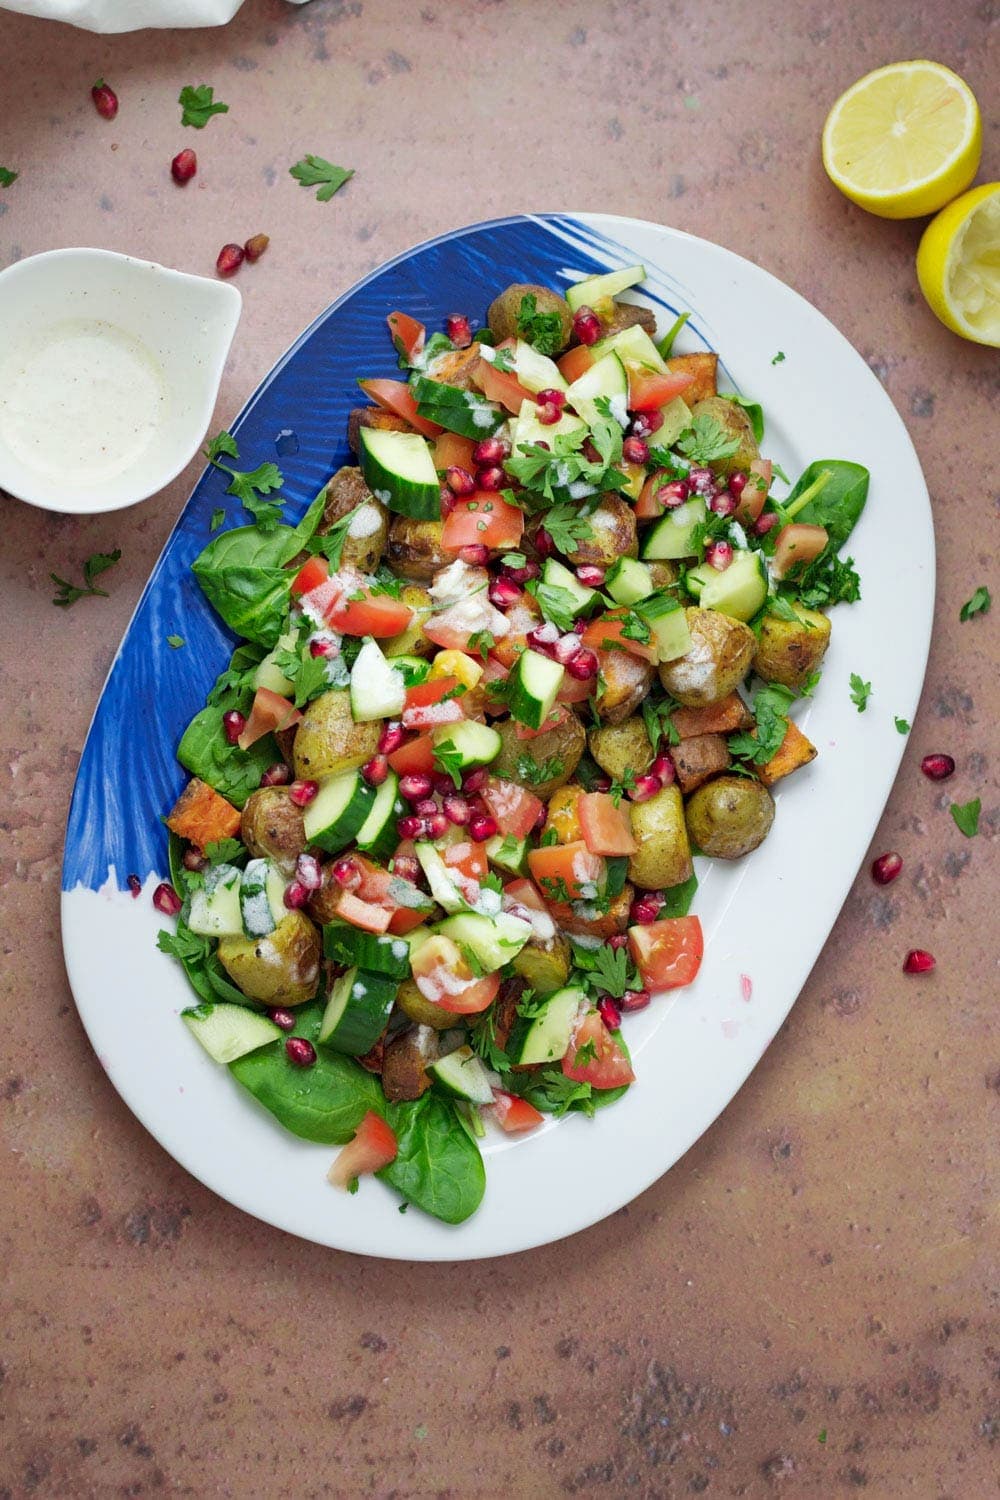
(735, 424)
(625, 680)
(281, 969)
(372, 416)
(562, 815)
(730, 816)
(789, 650)
(421, 1010)
(412, 641)
(457, 368)
(544, 966)
(703, 368)
(328, 740)
(619, 748)
(522, 760)
(626, 315)
(698, 758)
(663, 573)
(602, 925)
(365, 541)
(505, 311)
(415, 548)
(719, 659)
(613, 535)
(271, 827)
(404, 1063)
(663, 857)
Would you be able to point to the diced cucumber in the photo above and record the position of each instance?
(628, 581)
(414, 668)
(494, 941)
(357, 1011)
(399, 471)
(673, 534)
(377, 835)
(465, 412)
(508, 853)
(668, 625)
(595, 289)
(559, 577)
(444, 888)
(635, 347)
(338, 811)
(378, 689)
(215, 909)
(739, 591)
(536, 372)
(605, 378)
(545, 1037)
(462, 1075)
(467, 743)
(262, 893)
(380, 953)
(228, 1031)
(268, 675)
(534, 685)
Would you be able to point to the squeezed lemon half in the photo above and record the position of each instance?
(958, 265)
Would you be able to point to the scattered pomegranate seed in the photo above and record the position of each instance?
(459, 480)
(602, 783)
(477, 554)
(309, 871)
(277, 775)
(229, 260)
(166, 899)
(618, 940)
(491, 477)
(541, 818)
(457, 327)
(303, 792)
(442, 784)
(737, 483)
(543, 637)
(918, 961)
(647, 785)
(347, 874)
(474, 781)
(635, 450)
(765, 523)
(193, 859)
(504, 592)
(447, 498)
(105, 100)
(724, 503)
(482, 826)
(551, 396)
(566, 647)
(674, 493)
(645, 423)
(320, 647)
(664, 770)
(583, 666)
(719, 555)
(409, 827)
(586, 325)
(886, 868)
(300, 1052)
(492, 450)
(407, 867)
(456, 810)
(295, 895)
(134, 884)
(255, 247)
(522, 575)
(391, 737)
(233, 724)
(436, 825)
(426, 807)
(635, 1000)
(645, 908)
(590, 452)
(548, 414)
(282, 1018)
(184, 166)
(414, 786)
(609, 1013)
(590, 575)
(544, 544)
(938, 767)
(375, 771)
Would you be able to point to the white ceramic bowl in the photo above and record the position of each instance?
(109, 370)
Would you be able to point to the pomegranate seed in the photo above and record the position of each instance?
(295, 895)
(674, 493)
(233, 724)
(763, 524)
(566, 647)
(544, 545)
(663, 769)
(375, 771)
(303, 792)
(646, 786)
(255, 247)
(492, 450)
(477, 555)
(320, 647)
(543, 637)
(426, 807)
(309, 871)
(551, 397)
(193, 859)
(442, 784)
(282, 1018)
(278, 775)
(184, 166)
(918, 961)
(300, 1052)
(436, 825)
(719, 555)
(229, 260)
(522, 575)
(482, 826)
(701, 480)
(635, 450)
(645, 908)
(456, 810)
(548, 414)
(602, 783)
(737, 483)
(459, 480)
(166, 899)
(409, 827)
(590, 453)
(407, 867)
(504, 592)
(414, 786)
(618, 940)
(886, 868)
(938, 767)
(590, 575)
(583, 666)
(724, 503)
(586, 325)
(541, 818)
(475, 780)
(635, 1000)
(456, 326)
(447, 498)
(134, 884)
(491, 477)
(645, 423)
(609, 1013)
(391, 737)
(105, 100)
(347, 874)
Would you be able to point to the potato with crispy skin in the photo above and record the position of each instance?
(505, 311)
(698, 758)
(328, 740)
(404, 1063)
(523, 760)
(412, 641)
(722, 650)
(624, 681)
(789, 651)
(271, 827)
(603, 924)
(415, 548)
(544, 967)
(366, 537)
(621, 748)
(613, 534)
(736, 426)
(627, 315)
(422, 1011)
(663, 857)
(456, 367)
(281, 969)
(730, 816)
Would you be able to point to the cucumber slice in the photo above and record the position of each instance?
(465, 412)
(493, 941)
(508, 853)
(215, 909)
(595, 289)
(536, 372)
(606, 378)
(414, 668)
(357, 1011)
(377, 952)
(399, 471)
(338, 811)
(377, 835)
(444, 888)
(467, 743)
(740, 591)
(270, 676)
(262, 898)
(378, 690)
(534, 684)
(634, 347)
(462, 1075)
(545, 1037)
(228, 1031)
(559, 577)
(629, 581)
(673, 534)
(668, 625)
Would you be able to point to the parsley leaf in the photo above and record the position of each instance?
(860, 692)
(314, 171)
(7, 177)
(705, 441)
(779, 358)
(176, 641)
(770, 711)
(659, 726)
(98, 563)
(556, 604)
(198, 105)
(218, 516)
(307, 672)
(611, 971)
(449, 759)
(617, 789)
(224, 851)
(483, 1039)
(534, 773)
(979, 604)
(585, 1054)
(828, 580)
(248, 485)
(966, 815)
(331, 543)
(567, 527)
(543, 331)
(482, 641)
(183, 944)
(902, 725)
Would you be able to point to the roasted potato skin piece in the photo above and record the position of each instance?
(567, 741)
(789, 650)
(415, 548)
(544, 966)
(281, 969)
(703, 367)
(735, 424)
(456, 368)
(421, 1011)
(345, 491)
(372, 416)
(663, 573)
(562, 814)
(607, 924)
(613, 535)
(721, 652)
(626, 315)
(328, 740)
(663, 857)
(619, 748)
(404, 1063)
(271, 827)
(503, 312)
(730, 816)
(698, 758)
(412, 641)
(625, 681)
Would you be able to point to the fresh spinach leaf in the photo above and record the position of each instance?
(438, 1167)
(838, 501)
(204, 749)
(243, 576)
(754, 411)
(677, 899)
(665, 347)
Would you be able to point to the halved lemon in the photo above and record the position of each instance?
(958, 265)
(904, 140)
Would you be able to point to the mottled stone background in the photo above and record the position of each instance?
(807, 1304)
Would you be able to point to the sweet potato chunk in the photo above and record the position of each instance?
(702, 367)
(202, 816)
(724, 717)
(794, 751)
(698, 758)
(457, 368)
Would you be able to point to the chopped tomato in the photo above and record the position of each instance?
(513, 1113)
(415, 755)
(611, 627)
(374, 1146)
(648, 390)
(378, 615)
(311, 575)
(798, 542)
(396, 396)
(408, 336)
(566, 872)
(443, 976)
(754, 496)
(499, 385)
(270, 711)
(380, 889)
(607, 828)
(575, 689)
(450, 628)
(559, 715)
(467, 858)
(649, 505)
(515, 809)
(526, 893)
(363, 914)
(668, 953)
(431, 715)
(452, 450)
(574, 363)
(484, 518)
(508, 649)
(431, 690)
(595, 1057)
(492, 673)
(405, 919)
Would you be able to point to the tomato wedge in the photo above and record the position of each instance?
(311, 574)
(408, 336)
(566, 872)
(453, 450)
(484, 518)
(649, 505)
(499, 385)
(668, 953)
(378, 615)
(607, 828)
(442, 975)
(396, 396)
(378, 891)
(513, 1113)
(525, 893)
(415, 755)
(515, 809)
(559, 715)
(611, 627)
(467, 858)
(648, 390)
(595, 1057)
(754, 496)
(798, 542)
(363, 914)
(431, 690)
(270, 711)
(374, 1146)
(574, 363)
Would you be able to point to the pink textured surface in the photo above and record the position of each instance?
(824, 1262)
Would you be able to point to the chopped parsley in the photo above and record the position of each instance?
(543, 470)
(556, 604)
(617, 789)
(198, 105)
(860, 692)
(828, 580)
(659, 725)
(779, 358)
(503, 361)
(7, 177)
(566, 526)
(314, 171)
(534, 772)
(98, 563)
(250, 484)
(307, 672)
(224, 851)
(585, 1054)
(218, 516)
(979, 604)
(705, 441)
(543, 331)
(966, 816)
(183, 944)
(483, 1040)
(176, 642)
(449, 759)
(482, 641)
(902, 725)
(331, 543)
(770, 710)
